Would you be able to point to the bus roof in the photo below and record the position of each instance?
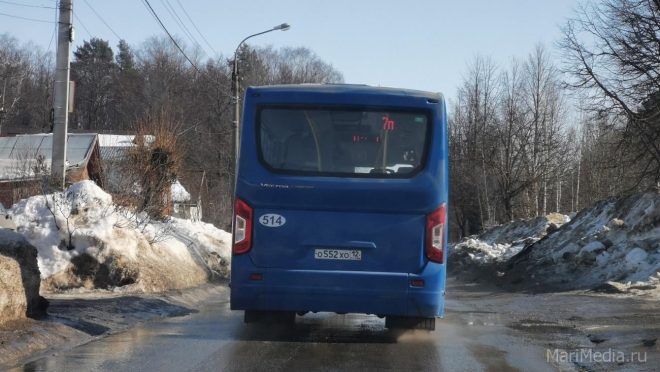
(356, 89)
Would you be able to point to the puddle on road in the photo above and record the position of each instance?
(542, 327)
(323, 328)
(475, 318)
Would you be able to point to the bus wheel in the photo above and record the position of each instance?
(269, 317)
(409, 322)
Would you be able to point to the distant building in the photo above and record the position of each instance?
(178, 202)
(114, 148)
(187, 195)
(25, 163)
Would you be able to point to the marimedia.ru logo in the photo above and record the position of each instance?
(587, 355)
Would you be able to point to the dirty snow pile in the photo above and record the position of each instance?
(614, 246)
(19, 278)
(504, 241)
(86, 241)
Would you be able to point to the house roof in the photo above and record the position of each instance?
(17, 153)
(115, 146)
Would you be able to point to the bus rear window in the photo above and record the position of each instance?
(339, 142)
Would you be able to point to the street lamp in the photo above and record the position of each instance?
(2, 117)
(235, 80)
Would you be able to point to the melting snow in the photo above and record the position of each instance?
(616, 241)
(100, 230)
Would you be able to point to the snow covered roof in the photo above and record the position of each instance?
(110, 153)
(120, 140)
(115, 146)
(16, 151)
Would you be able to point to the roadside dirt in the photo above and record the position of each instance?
(580, 322)
(75, 319)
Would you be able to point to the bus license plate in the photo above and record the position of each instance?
(337, 254)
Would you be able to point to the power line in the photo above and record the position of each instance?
(193, 23)
(179, 22)
(146, 2)
(153, 12)
(29, 6)
(101, 18)
(54, 30)
(27, 19)
(108, 26)
(83, 26)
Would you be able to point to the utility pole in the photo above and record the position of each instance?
(61, 91)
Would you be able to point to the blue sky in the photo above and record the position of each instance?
(418, 44)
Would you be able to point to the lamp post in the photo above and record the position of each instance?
(235, 80)
(3, 113)
(2, 117)
(236, 87)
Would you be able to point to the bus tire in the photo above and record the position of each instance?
(409, 322)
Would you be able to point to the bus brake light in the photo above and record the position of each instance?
(242, 227)
(435, 229)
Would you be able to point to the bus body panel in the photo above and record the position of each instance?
(337, 291)
(387, 242)
(383, 218)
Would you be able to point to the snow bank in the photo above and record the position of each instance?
(504, 241)
(614, 245)
(615, 240)
(522, 229)
(84, 240)
(480, 252)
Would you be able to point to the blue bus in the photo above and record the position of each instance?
(341, 204)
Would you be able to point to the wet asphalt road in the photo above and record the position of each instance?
(482, 331)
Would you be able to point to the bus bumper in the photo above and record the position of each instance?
(337, 291)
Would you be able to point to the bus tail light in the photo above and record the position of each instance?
(417, 283)
(242, 227)
(435, 230)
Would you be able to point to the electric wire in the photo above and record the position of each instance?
(195, 26)
(102, 20)
(27, 5)
(183, 26)
(153, 12)
(109, 28)
(52, 37)
(83, 25)
(27, 19)
(155, 16)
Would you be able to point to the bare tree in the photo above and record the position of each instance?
(25, 85)
(474, 112)
(510, 138)
(610, 50)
